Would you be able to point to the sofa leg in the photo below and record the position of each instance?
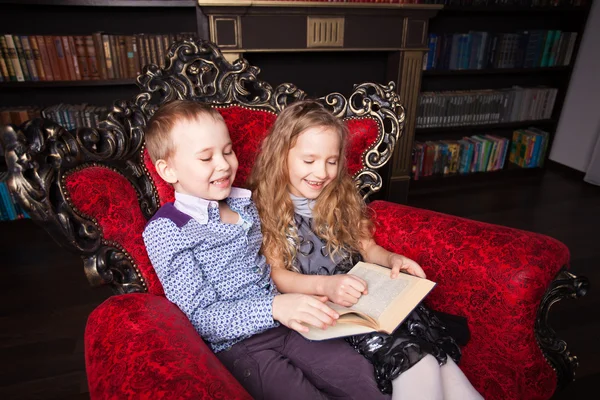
(564, 285)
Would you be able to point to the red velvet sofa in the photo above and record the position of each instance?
(94, 190)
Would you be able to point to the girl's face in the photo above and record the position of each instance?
(313, 161)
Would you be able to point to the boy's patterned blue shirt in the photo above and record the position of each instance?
(213, 271)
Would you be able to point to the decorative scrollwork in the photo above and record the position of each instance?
(382, 104)
(112, 264)
(40, 153)
(196, 70)
(565, 285)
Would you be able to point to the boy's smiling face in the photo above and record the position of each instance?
(203, 163)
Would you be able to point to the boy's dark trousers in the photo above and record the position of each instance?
(280, 363)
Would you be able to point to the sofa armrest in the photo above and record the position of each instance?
(493, 275)
(142, 346)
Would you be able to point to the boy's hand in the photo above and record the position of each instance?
(401, 263)
(344, 290)
(293, 309)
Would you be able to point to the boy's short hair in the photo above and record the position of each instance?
(158, 130)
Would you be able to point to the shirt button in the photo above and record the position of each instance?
(247, 373)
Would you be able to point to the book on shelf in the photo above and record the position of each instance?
(10, 210)
(69, 116)
(81, 57)
(477, 50)
(479, 153)
(387, 304)
(528, 148)
(487, 106)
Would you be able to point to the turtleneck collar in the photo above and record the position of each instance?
(303, 206)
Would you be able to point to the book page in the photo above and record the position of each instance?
(381, 291)
(346, 313)
(389, 300)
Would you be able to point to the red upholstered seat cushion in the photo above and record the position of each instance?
(140, 346)
(493, 275)
(107, 196)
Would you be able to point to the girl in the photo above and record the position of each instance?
(316, 227)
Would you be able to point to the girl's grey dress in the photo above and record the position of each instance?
(420, 334)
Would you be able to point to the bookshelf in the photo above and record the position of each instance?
(79, 19)
(73, 18)
(465, 68)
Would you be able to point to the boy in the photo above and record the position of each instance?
(205, 250)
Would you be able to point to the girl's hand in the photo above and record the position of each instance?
(401, 263)
(344, 290)
(293, 309)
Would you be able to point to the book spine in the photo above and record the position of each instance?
(100, 55)
(44, 58)
(90, 52)
(28, 53)
(68, 58)
(73, 57)
(37, 58)
(21, 58)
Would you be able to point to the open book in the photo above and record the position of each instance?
(388, 302)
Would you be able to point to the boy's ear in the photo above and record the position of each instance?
(165, 171)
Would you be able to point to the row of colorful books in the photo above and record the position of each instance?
(479, 153)
(69, 116)
(83, 57)
(478, 107)
(482, 50)
(9, 208)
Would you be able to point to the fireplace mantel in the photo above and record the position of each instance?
(400, 30)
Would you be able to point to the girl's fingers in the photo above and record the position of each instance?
(349, 291)
(395, 271)
(359, 284)
(349, 299)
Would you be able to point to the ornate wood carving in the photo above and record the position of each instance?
(565, 285)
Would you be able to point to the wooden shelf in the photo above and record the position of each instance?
(472, 128)
(58, 84)
(496, 71)
(104, 3)
(510, 173)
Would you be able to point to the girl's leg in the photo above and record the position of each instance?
(423, 381)
(455, 383)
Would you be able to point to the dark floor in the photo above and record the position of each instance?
(45, 298)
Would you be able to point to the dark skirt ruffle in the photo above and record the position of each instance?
(420, 334)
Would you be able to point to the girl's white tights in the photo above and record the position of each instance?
(426, 380)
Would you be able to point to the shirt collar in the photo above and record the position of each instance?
(197, 207)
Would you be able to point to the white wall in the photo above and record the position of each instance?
(579, 125)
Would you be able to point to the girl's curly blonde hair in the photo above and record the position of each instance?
(339, 216)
